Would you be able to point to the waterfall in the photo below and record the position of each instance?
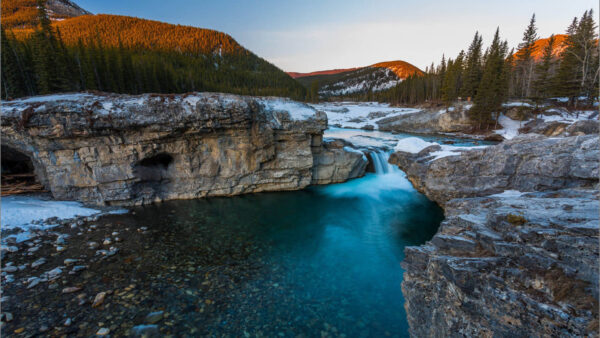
(380, 162)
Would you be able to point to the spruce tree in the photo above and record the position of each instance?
(525, 59)
(493, 88)
(473, 68)
(543, 70)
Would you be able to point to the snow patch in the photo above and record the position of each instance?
(22, 211)
(412, 145)
(297, 110)
(517, 104)
(359, 115)
(509, 194)
(510, 127)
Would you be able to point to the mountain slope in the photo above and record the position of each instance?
(540, 44)
(161, 57)
(296, 75)
(21, 14)
(147, 34)
(376, 77)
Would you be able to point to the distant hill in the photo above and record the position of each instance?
(22, 14)
(167, 58)
(376, 77)
(540, 44)
(321, 72)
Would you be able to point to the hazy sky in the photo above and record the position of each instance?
(304, 35)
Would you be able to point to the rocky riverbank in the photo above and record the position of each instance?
(516, 118)
(130, 150)
(518, 252)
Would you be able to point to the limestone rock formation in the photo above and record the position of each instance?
(123, 150)
(512, 266)
(526, 163)
(506, 263)
(555, 128)
(428, 121)
(337, 161)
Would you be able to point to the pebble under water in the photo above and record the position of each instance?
(324, 261)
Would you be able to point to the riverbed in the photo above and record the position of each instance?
(324, 261)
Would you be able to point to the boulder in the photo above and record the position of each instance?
(337, 161)
(429, 120)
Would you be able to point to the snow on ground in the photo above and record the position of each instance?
(359, 114)
(27, 212)
(509, 194)
(567, 117)
(449, 150)
(297, 110)
(517, 104)
(510, 127)
(414, 145)
(363, 138)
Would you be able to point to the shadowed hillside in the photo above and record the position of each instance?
(126, 55)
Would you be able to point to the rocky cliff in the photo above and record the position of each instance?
(517, 254)
(123, 150)
(429, 121)
(527, 163)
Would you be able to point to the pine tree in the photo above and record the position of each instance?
(313, 92)
(544, 70)
(524, 59)
(13, 82)
(473, 68)
(493, 88)
(578, 69)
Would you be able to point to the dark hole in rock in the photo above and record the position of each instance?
(161, 159)
(15, 162)
(18, 173)
(153, 168)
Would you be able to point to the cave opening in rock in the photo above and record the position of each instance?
(18, 173)
(153, 175)
(154, 168)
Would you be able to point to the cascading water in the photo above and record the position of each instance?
(380, 162)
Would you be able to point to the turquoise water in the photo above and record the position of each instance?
(322, 261)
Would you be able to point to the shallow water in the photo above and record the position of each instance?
(381, 139)
(326, 259)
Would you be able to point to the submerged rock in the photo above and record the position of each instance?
(145, 331)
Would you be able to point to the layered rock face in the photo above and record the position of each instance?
(337, 161)
(526, 163)
(429, 121)
(123, 150)
(511, 264)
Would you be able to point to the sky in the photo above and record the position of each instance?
(304, 35)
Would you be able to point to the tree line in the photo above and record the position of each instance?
(565, 66)
(46, 60)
